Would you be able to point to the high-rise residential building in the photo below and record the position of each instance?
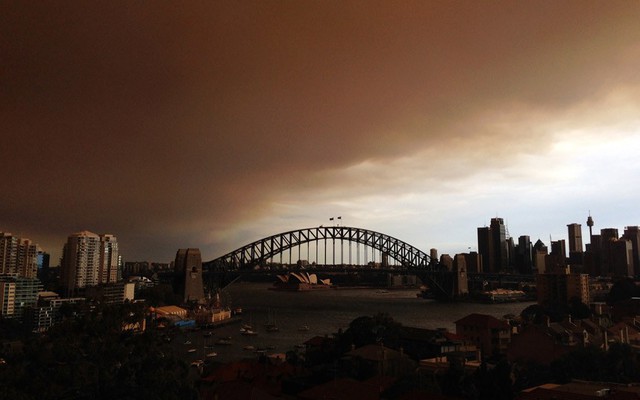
(188, 267)
(18, 256)
(575, 238)
(17, 293)
(109, 259)
(561, 287)
(88, 260)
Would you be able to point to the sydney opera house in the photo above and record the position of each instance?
(300, 281)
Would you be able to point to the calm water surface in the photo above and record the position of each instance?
(324, 311)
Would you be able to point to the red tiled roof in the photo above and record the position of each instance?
(342, 389)
(483, 320)
(318, 341)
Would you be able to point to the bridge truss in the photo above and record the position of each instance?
(259, 252)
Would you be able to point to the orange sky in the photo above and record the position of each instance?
(212, 124)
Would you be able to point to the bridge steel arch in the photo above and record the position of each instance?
(410, 257)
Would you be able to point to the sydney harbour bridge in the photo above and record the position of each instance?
(335, 247)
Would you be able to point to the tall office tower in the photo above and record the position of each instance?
(524, 255)
(473, 262)
(188, 267)
(109, 258)
(18, 256)
(608, 234)
(632, 234)
(80, 261)
(608, 260)
(620, 257)
(540, 252)
(500, 246)
(559, 248)
(485, 248)
(575, 238)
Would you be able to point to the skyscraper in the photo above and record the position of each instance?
(18, 256)
(89, 259)
(108, 259)
(500, 245)
(80, 261)
(575, 238)
(493, 246)
(632, 234)
(485, 248)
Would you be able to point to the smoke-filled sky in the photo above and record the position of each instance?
(212, 124)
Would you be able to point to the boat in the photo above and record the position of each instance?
(271, 326)
(249, 332)
(249, 347)
(213, 354)
(187, 342)
(191, 351)
(224, 342)
(303, 328)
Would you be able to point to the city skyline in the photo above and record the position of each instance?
(213, 125)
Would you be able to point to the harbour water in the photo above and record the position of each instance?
(324, 312)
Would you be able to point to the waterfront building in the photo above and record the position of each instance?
(188, 267)
(17, 293)
(561, 286)
(113, 293)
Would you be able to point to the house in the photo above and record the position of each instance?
(488, 333)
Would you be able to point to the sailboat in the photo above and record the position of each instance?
(271, 326)
(247, 329)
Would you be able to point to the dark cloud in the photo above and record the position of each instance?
(166, 122)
